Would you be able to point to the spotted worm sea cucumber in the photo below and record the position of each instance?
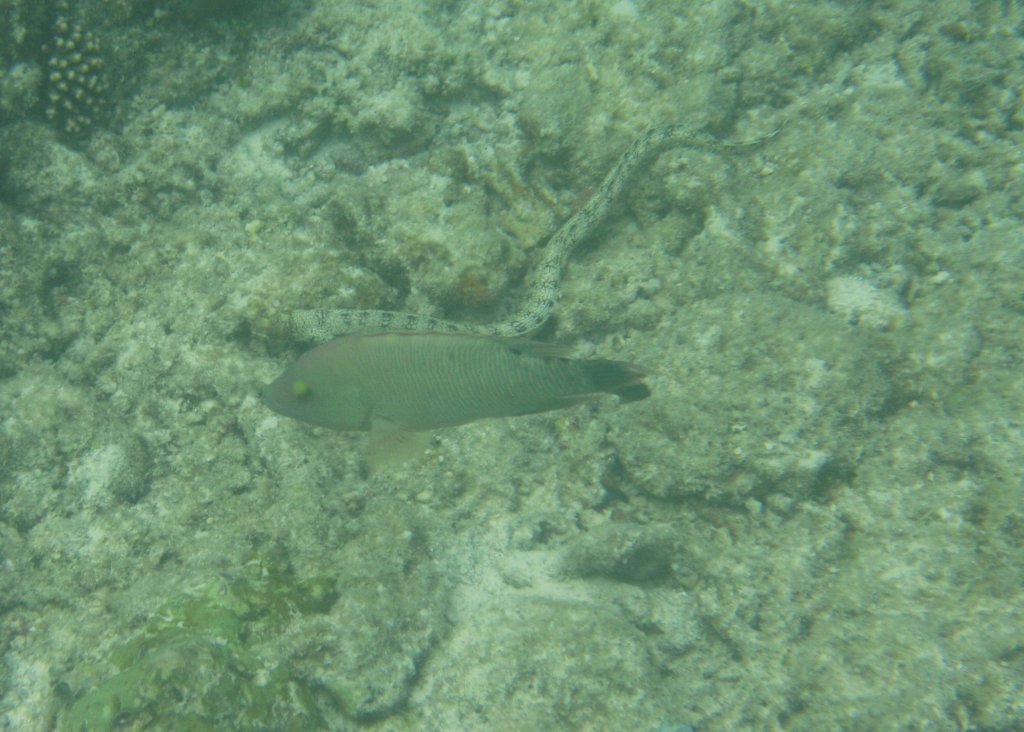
(322, 325)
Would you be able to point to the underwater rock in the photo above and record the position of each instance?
(538, 663)
(626, 552)
(762, 396)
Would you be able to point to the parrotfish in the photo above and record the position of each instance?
(424, 381)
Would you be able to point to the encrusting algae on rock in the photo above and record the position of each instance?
(533, 312)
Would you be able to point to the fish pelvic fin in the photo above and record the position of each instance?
(395, 447)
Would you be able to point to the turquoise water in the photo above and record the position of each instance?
(814, 523)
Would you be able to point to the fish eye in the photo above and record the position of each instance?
(300, 388)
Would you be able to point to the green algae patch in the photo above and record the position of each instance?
(196, 664)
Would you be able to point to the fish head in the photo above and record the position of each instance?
(309, 392)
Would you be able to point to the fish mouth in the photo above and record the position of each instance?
(267, 397)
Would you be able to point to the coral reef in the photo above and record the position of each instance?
(75, 79)
(813, 523)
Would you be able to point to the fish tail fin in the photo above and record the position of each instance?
(622, 379)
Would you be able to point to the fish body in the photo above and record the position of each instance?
(423, 381)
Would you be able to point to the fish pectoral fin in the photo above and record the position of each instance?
(394, 446)
(380, 423)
